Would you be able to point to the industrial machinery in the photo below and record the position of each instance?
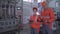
(8, 20)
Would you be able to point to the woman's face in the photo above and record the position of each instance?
(34, 11)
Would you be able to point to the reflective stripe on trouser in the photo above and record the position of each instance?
(46, 29)
(34, 31)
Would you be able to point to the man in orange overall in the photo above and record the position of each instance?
(48, 17)
(33, 22)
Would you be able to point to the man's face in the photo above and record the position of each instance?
(44, 4)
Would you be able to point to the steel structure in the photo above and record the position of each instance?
(8, 20)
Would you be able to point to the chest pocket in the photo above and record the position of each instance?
(47, 15)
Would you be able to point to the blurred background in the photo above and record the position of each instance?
(11, 9)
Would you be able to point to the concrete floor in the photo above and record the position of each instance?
(26, 30)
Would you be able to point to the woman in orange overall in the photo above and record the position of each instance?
(34, 24)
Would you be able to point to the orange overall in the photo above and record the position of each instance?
(35, 24)
(49, 14)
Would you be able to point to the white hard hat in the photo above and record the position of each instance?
(41, 0)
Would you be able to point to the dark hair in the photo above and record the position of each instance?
(35, 8)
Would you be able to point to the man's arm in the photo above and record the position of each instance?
(52, 16)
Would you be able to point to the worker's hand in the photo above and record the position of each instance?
(48, 21)
(31, 21)
(41, 20)
(45, 20)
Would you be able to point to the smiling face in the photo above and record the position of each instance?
(34, 11)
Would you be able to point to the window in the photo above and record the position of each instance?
(9, 22)
(14, 11)
(7, 10)
(7, 6)
(33, 0)
(18, 8)
(6, 23)
(8, 1)
(25, 0)
(2, 23)
(3, 6)
(0, 5)
(28, 0)
(13, 22)
(11, 11)
(39, 1)
(7, 14)
(10, 6)
(19, 0)
(3, 13)
(59, 25)
(57, 4)
(20, 18)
